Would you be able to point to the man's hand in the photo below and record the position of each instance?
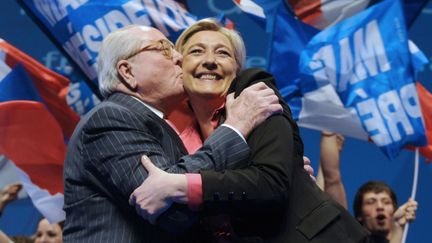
(308, 167)
(158, 191)
(405, 213)
(8, 194)
(255, 104)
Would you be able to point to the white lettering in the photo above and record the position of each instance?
(92, 37)
(369, 51)
(93, 34)
(100, 24)
(136, 13)
(76, 48)
(155, 16)
(50, 58)
(368, 59)
(346, 65)
(84, 44)
(44, 9)
(116, 20)
(373, 122)
(171, 15)
(163, 14)
(74, 93)
(410, 100)
(323, 65)
(360, 71)
(394, 114)
(56, 11)
(74, 4)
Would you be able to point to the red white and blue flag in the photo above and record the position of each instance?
(325, 75)
(80, 26)
(33, 98)
(323, 13)
(34, 126)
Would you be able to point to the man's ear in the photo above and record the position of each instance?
(126, 76)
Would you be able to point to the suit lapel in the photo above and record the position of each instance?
(134, 105)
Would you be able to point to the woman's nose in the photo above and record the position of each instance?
(209, 61)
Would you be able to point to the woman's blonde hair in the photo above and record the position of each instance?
(214, 25)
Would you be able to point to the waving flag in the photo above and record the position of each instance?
(323, 13)
(320, 109)
(283, 57)
(35, 123)
(370, 68)
(255, 11)
(316, 106)
(51, 86)
(79, 26)
(425, 98)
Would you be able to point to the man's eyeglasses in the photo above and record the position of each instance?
(163, 45)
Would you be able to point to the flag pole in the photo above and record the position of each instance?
(414, 189)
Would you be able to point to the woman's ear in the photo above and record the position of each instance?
(126, 76)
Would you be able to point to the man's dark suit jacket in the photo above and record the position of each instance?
(274, 199)
(102, 169)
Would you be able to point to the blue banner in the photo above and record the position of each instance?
(80, 26)
(367, 60)
(289, 37)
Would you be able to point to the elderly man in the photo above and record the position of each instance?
(140, 75)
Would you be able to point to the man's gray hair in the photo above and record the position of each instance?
(115, 47)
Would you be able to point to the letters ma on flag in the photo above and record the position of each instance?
(367, 60)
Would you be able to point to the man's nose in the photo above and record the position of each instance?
(177, 57)
(380, 205)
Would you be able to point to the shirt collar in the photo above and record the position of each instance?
(216, 115)
(154, 110)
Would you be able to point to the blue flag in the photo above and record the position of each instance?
(289, 38)
(367, 60)
(80, 26)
